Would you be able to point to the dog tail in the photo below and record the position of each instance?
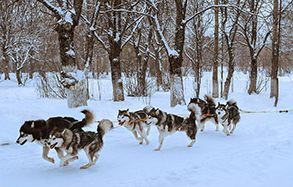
(210, 100)
(195, 110)
(88, 118)
(104, 126)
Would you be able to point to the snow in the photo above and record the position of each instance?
(70, 52)
(258, 154)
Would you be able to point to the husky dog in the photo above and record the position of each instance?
(228, 114)
(38, 130)
(207, 109)
(72, 141)
(135, 122)
(168, 124)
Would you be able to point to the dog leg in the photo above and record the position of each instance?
(201, 126)
(148, 130)
(225, 130)
(191, 143)
(64, 160)
(92, 160)
(161, 140)
(45, 154)
(144, 136)
(233, 129)
(217, 127)
(136, 137)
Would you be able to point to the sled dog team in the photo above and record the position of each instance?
(66, 133)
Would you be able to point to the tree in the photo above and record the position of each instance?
(275, 53)
(230, 36)
(118, 23)
(67, 18)
(174, 54)
(250, 28)
(215, 92)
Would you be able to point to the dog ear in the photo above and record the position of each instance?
(127, 110)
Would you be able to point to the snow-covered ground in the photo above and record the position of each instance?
(258, 154)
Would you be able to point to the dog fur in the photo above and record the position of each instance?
(72, 141)
(168, 124)
(228, 114)
(125, 118)
(39, 130)
(207, 110)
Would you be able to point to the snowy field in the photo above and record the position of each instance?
(258, 154)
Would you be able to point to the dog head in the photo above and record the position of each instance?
(57, 138)
(155, 115)
(221, 110)
(123, 116)
(30, 131)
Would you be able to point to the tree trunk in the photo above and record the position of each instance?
(253, 56)
(117, 84)
(5, 64)
(176, 81)
(275, 52)
(73, 80)
(253, 76)
(175, 61)
(215, 93)
(230, 73)
(18, 77)
(159, 80)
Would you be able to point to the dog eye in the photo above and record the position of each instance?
(54, 138)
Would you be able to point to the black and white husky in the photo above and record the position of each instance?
(207, 109)
(228, 115)
(168, 124)
(136, 123)
(72, 141)
(39, 130)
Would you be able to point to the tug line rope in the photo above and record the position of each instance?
(274, 111)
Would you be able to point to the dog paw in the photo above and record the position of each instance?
(201, 130)
(189, 145)
(228, 134)
(157, 149)
(51, 160)
(140, 143)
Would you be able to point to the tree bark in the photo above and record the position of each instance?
(275, 52)
(215, 92)
(5, 64)
(253, 76)
(114, 57)
(230, 73)
(175, 61)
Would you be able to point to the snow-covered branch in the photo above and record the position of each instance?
(57, 11)
(132, 32)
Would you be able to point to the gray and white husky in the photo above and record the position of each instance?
(168, 124)
(228, 115)
(39, 130)
(72, 141)
(136, 123)
(207, 110)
